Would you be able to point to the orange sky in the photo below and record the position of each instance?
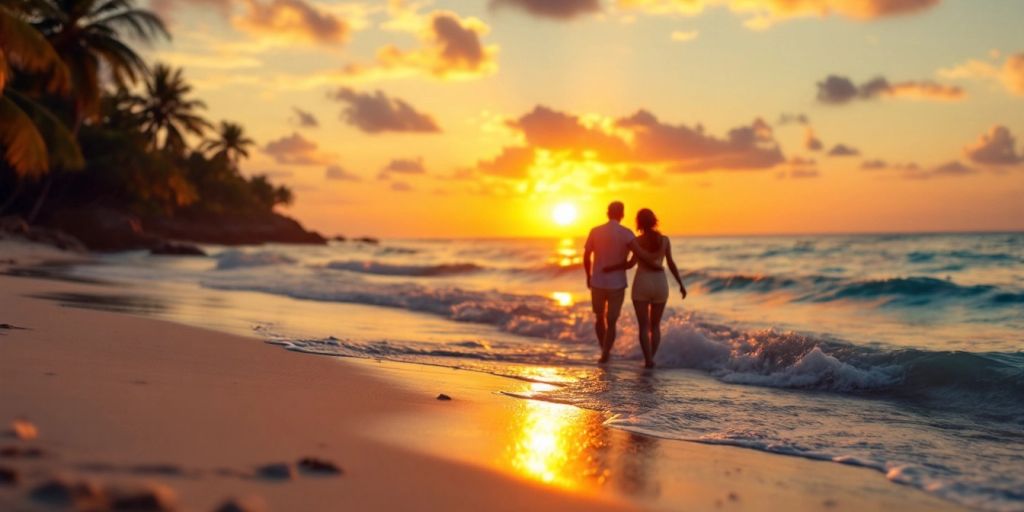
(478, 117)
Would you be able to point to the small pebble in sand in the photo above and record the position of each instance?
(319, 466)
(152, 497)
(829, 503)
(733, 496)
(443, 396)
(8, 476)
(249, 504)
(60, 492)
(279, 471)
(24, 430)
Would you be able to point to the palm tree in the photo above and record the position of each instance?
(87, 35)
(25, 125)
(33, 140)
(231, 143)
(166, 111)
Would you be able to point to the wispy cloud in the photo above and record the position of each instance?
(840, 90)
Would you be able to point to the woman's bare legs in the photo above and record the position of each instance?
(657, 310)
(643, 328)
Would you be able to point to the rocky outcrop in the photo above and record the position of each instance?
(233, 229)
(16, 227)
(102, 229)
(108, 229)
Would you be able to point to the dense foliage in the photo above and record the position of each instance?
(70, 137)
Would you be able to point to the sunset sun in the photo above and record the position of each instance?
(564, 214)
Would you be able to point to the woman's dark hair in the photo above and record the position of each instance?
(646, 220)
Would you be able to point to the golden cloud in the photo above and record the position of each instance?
(292, 21)
(451, 48)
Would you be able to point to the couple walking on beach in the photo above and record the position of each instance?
(611, 249)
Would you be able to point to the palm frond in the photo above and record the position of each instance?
(60, 143)
(23, 145)
(27, 49)
(141, 24)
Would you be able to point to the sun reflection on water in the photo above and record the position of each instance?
(563, 299)
(566, 254)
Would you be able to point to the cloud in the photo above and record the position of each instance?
(996, 147)
(292, 21)
(878, 164)
(558, 144)
(636, 174)
(552, 9)
(1013, 73)
(803, 173)
(336, 172)
(405, 166)
(451, 48)
(681, 36)
(763, 13)
(546, 128)
(843, 150)
(1010, 74)
(839, 90)
(786, 118)
(401, 186)
(946, 170)
(512, 162)
(692, 150)
(294, 149)
(305, 119)
(811, 141)
(376, 113)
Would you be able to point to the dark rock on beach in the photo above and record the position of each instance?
(151, 498)
(61, 492)
(367, 240)
(177, 249)
(278, 471)
(443, 396)
(250, 504)
(319, 466)
(15, 227)
(8, 476)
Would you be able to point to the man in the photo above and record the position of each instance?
(608, 244)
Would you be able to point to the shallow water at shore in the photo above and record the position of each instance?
(901, 354)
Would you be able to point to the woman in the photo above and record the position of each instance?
(650, 285)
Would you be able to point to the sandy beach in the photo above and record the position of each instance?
(132, 403)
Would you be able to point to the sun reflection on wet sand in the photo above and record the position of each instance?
(555, 443)
(571, 448)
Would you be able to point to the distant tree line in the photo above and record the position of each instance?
(85, 121)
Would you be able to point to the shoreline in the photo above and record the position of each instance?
(509, 447)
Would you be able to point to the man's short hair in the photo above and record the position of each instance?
(616, 210)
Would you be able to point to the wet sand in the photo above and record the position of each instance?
(126, 401)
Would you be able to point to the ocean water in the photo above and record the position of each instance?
(901, 353)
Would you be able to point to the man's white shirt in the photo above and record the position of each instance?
(610, 244)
